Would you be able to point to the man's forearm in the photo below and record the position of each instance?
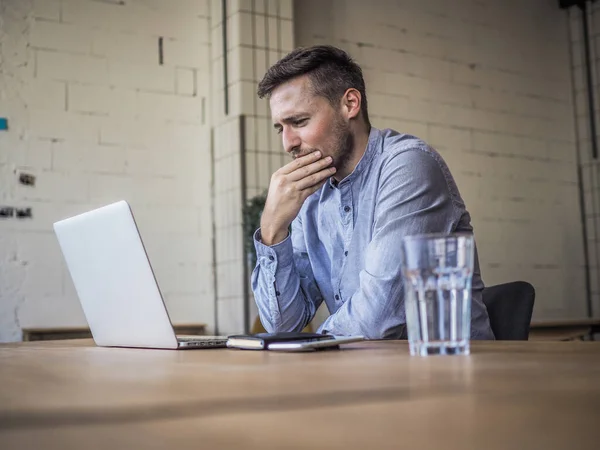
(283, 302)
(279, 308)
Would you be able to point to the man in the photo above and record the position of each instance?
(350, 195)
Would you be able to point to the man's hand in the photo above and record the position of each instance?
(290, 186)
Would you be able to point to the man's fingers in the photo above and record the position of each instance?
(300, 162)
(310, 169)
(316, 179)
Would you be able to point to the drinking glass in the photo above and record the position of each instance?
(437, 270)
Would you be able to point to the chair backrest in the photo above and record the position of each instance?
(510, 306)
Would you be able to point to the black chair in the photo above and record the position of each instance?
(510, 306)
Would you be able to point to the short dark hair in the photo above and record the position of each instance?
(331, 72)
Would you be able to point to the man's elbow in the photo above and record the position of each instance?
(377, 330)
(276, 326)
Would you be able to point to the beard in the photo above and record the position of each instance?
(343, 145)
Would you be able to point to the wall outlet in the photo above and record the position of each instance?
(23, 213)
(27, 179)
(6, 212)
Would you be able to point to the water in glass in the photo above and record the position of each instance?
(437, 272)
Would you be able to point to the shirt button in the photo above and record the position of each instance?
(347, 208)
(346, 253)
(337, 297)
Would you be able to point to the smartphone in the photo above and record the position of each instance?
(310, 346)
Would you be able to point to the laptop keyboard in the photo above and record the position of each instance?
(202, 338)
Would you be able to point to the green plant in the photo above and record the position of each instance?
(251, 216)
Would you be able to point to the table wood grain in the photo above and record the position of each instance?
(71, 394)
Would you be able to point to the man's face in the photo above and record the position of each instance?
(308, 122)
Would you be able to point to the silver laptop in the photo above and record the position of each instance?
(115, 283)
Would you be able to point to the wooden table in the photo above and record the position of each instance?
(370, 395)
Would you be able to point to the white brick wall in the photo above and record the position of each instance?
(488, 83)
(590, 166)
(96, 119)
(258, 33)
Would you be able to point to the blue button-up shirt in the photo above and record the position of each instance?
(345, 244)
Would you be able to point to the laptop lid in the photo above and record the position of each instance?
(114, 280)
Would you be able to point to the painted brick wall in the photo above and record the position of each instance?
(95, 118)
(488, 83)
(259, 32)
(590, 165)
